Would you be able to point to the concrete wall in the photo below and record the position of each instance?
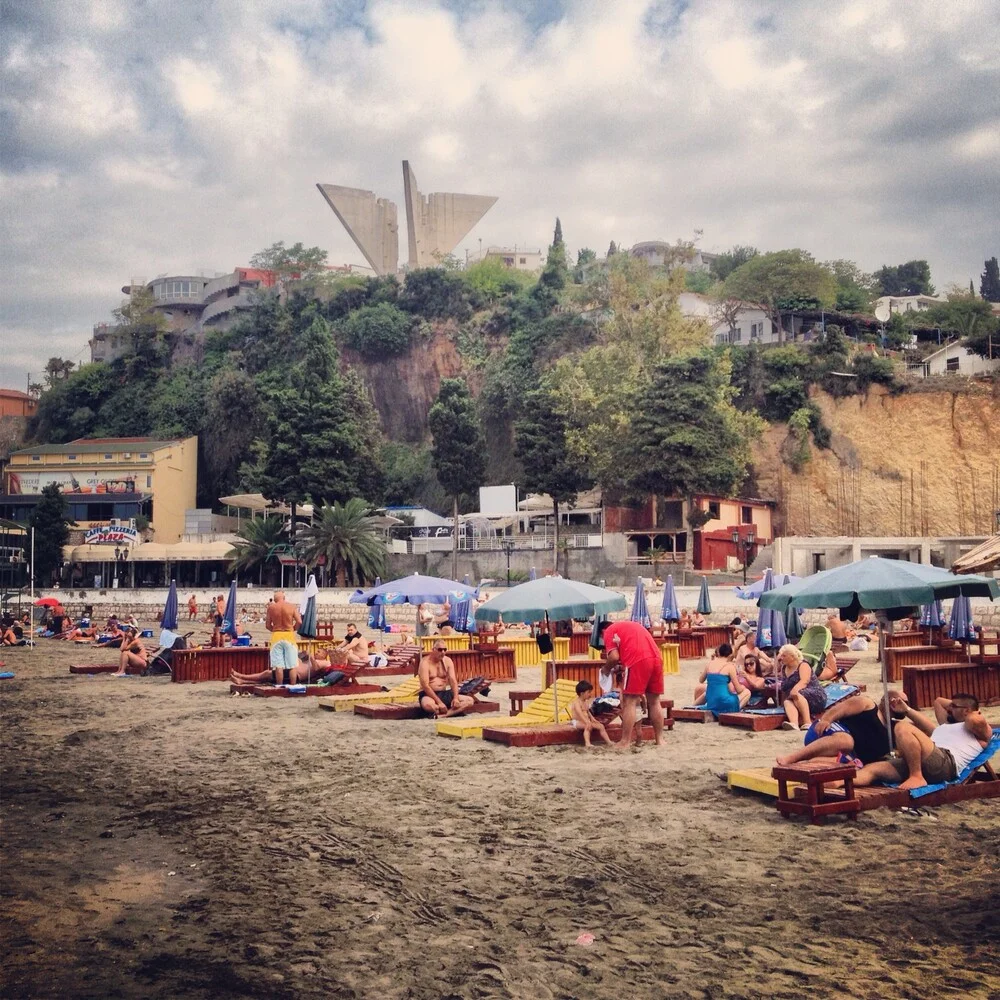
(175, 485)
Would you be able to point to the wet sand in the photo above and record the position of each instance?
(167, 840)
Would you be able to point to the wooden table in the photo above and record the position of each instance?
(815, 775)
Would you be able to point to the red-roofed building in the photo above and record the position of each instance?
(14, 403)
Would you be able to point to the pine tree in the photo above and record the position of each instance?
(989, 281)
(612, 249)
(557, 236)
(540, 444)
(51, 532)
(459, 451)
(972, 288)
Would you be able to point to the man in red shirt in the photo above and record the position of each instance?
(629, 645)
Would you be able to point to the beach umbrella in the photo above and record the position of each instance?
(458, 616)
(376, 617)
(640, 613)
(47, 602)
(552, 597)
(670, 612)
(532, 575)
(793, 624)
(960, 624)
(168, 620)
(888, 587)
(704, 603)
(752, 591)
(596, 639)
(932, 615)
(414, 589)
(229, 618)
(770, 623)
(307, 609)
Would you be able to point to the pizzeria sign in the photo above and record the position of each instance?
(104, 534)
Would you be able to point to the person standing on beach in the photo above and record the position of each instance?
(630, 645)
(282, 620)
(192, 609)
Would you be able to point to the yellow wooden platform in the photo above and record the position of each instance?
(525, 648)
(669, 651)
(460, 641)
(756, 779)
(407, 691)
(536, 713)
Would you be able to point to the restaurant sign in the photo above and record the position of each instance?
(105, 534)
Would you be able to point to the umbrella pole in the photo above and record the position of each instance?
(555, 679)
(885, 681)
(31, 613)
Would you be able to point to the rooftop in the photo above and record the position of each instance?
(89, 446)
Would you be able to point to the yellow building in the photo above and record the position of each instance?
(107, 483)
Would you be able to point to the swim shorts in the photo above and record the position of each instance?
(643, 677)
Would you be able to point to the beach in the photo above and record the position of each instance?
(170, 840)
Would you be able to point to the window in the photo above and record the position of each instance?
(107, 458)
(952, 364)
(149, 482)
(143, 454)
(738, 335)
(746, 515)
(524, 260)
(72, 458)
(713, 509)
(36, 458)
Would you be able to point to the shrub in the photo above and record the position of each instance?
(378, 332)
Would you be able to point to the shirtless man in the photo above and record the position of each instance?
(192, 608)
(837, 628)
(282, 621)
(355, 646)
(439, 695)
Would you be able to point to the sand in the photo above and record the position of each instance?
(167, 840)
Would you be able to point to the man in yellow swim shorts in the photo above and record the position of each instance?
(282, 620)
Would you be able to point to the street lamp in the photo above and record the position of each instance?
(508, 547)
(744, 544)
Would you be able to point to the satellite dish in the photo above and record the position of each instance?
(882, 312)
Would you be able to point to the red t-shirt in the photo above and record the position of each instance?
(634, 643)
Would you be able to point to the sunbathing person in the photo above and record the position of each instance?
(133, 655)
(112, 637)
(933, 751)
(309, 669)
(439, 694)
(752, 663)
(697, 619)
(719, 688)
(581, 717)
(354, 646)
(84, 630)
(13, 635)
(852, 730)
(803, 695)
(837, 628)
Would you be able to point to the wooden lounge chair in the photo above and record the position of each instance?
(537, 712)
(407, 691)
(413, 710)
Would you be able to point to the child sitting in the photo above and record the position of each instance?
(582, 718)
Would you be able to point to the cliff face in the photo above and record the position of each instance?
(403, 389)
(922, 463)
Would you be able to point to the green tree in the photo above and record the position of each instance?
(57, 370)
(51, 526)
(698, 281)
(143, 327)
(911, 278)
(782, 281)
(963, 315)
(557, 236)
(257, 542)
(492, 280)
(294, 263)
(234, 417)
(612, 249)
(989, 281)
(686, 437)
(549, 467)
(855, 288)
(314, 446)
(346, 537)
(725, 263)
(583, 258)
(555, 273)
(435, 293)
(459, 451)
(379, 332)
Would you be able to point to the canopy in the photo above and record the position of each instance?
(256, 502)
(932, 615)
(640, 612)
(983, 558)
(877, 584)
(960, 625)
(670, 611)
(168, 620)
(753, 591)
(704, 606)
(415, 589)
(553, 596)
(770, 623)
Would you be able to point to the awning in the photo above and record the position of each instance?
(983, 558)
(148, 552)
(255, 502)
(589, 501)
(94, 553)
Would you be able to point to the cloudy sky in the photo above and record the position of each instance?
(143, 137)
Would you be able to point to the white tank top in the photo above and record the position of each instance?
(954, 737)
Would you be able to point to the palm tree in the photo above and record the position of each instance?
(257, 542)
(346, 536)
(656, 556)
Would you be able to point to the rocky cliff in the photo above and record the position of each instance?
(919, 463)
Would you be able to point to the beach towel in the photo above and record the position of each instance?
(987, 753)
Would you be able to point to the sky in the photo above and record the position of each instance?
(142, 138)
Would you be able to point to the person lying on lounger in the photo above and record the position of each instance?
(133, 655)
(309, 670)
(581, 717)
(83, 630)
(852, 730)
(933, 751)
(439, 694)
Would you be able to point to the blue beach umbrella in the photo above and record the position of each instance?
(770, 623)
(307, 609)
(415, 589)
(752, 591)
(960, 624)
(458, 616)
(704, 602)
(640, 613)
(229, 618)
(169, 619)
(670, 611)
(376, 617)
(932, 615)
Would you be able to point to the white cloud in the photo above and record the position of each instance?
(146, 138)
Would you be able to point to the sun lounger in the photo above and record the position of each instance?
(556, 734)
(411, 710)
(537, 712)
(304, 690)
(405, 692)
(981, 761)
(762, 720)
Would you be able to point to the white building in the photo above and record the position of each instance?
(905, 303)
(658, 253)
(751, 322)
(954, 359)
(518, 258)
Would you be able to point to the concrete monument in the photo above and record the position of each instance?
(436, 224)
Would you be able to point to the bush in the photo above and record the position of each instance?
(378, 332)
(436, 293)
(868, 369)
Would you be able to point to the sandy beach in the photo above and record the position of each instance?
(169, 840)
